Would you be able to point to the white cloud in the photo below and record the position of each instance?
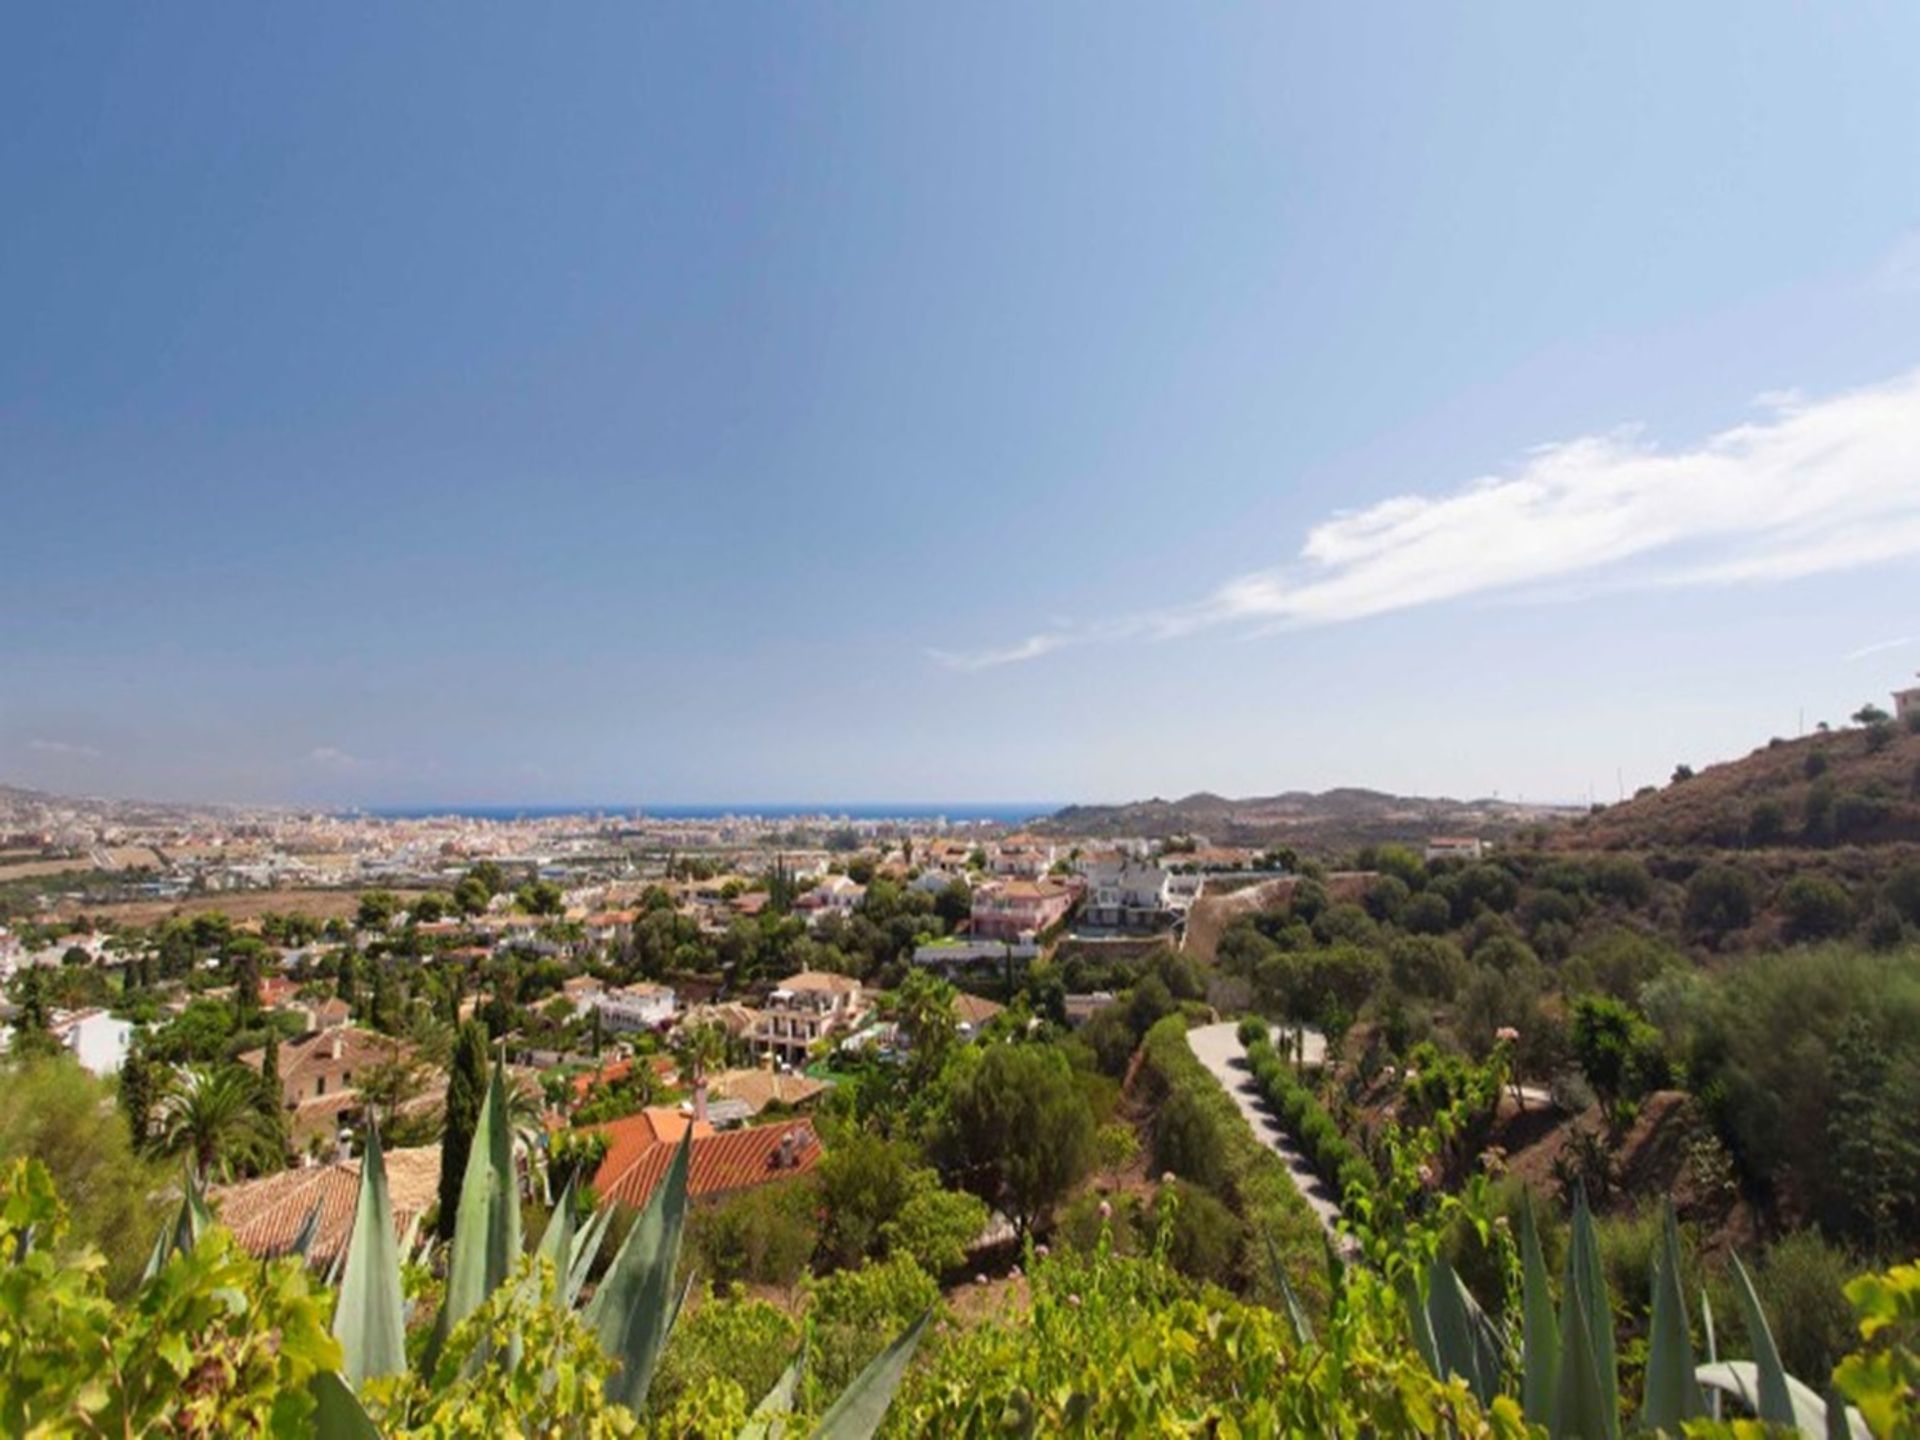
(1031, 648)
(1878, 647)
(64, 748)
(1812, 486)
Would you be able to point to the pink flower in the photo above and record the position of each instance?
(1042, 1251)
(1506, 1032)
(979, 1279)
(1106, 1210)
(1074, 1301)
(1166, 1177)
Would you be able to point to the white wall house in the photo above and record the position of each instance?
(99, 1041)
(804, 1009)
(641, 1006)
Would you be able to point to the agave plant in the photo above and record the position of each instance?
(632, 1310)
(1562, 1362)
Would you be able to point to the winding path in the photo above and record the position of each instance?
(1218, 1048)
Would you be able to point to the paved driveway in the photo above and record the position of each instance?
(1220, 1050)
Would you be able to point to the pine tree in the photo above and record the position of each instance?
(466, 1088)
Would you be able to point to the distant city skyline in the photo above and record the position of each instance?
(764, 404)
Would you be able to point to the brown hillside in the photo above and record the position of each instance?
(1874, 799)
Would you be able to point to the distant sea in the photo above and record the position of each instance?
(1005, 814)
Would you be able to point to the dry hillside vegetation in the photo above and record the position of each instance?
(1851, 786)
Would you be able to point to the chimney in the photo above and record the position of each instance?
(334, 1046)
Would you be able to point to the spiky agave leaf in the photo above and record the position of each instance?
(1587, 1281)
(556, 1241)
(1775, 1403)
(183, 1231)
(1419, 1320)
(1672, 1394)
(586, 1249)
(303, 1237)
(769, 1418)
(1539, 1329)
(863, 1404)
(369, 1320)
(337, 1411)
(1806, 1412)
(486, 1234)
(1296, 1313)
(1581, 1399)
(633, 1309)
(1463, 1338)
(1713, 1352)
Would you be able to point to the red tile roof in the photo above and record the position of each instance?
(722, 1164)
(266, 1214)
(632, 1136)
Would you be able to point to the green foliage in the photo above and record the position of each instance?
(1617, 1050)
(1255, 1184)
(1720, 898)
(935, 1227)
(1018, 1130)
(765, 1236)
(54, 1112)
(729, 1338)
(1815, 908)
(519, 1364)
(1761, 1048)
(216, 1344)
(466, 1090)
(864, 1181)
(855, 1313)
(1337, 1162)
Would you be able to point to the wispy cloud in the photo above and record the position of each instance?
(64, 748)
(1811, 486)
(330, 757)
(1878, 647)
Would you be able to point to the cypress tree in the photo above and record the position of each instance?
(466, 1089)
(136, 1095)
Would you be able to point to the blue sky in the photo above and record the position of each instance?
(993, 402)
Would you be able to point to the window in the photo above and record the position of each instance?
(320, 1086)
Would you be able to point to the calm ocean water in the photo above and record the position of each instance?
(887, 810)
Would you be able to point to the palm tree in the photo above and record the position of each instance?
(215, 1117)
(699, 1047)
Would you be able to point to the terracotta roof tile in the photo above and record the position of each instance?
(266, 1214)
(722, 1164)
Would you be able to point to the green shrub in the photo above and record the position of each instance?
(1259, 1189)
(1815, 908)
(765, 1236)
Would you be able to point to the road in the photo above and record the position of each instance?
(1220, 1050)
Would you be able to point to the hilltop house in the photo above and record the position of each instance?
(1906, 703)
(1455, 847)
(804, 1009)
(1018, 909)
(1127, 895)
(640, 1006)
(98, 1040)
(317, 1078)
